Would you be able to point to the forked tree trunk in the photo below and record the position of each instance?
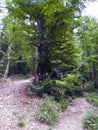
(8, 63)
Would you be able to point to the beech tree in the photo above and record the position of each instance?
(48, 28)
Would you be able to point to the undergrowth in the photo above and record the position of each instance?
(59, 92)
(21, 124)
(91, 121)
(48, 110)
(69, 86)
(93, 98)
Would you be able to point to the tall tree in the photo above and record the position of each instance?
(52, 24)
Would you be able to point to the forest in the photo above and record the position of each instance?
(54, 44)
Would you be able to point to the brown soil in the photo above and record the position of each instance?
(16, 107)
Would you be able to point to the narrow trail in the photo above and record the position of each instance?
(72, 118)
(16, 106)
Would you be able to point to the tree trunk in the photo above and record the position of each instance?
(36, 76)
(92, 69)
(8, 63)
(39, 50)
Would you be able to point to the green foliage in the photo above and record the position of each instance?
(47, 28)
(69, 86)
(55, 33)
(21, 124)
(45, 87)
(63, 103)
(91, 121)
(93, 98)
(89, 86)
(48, 110)
(61, 83)
(88, 33)
(73, 85)
(49, 87)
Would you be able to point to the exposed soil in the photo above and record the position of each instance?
(17, 106)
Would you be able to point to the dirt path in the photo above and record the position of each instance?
(73, 117)
(17, 107)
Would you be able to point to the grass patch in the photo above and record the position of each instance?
(21, 124)
(20, 119)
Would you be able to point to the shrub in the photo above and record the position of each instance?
(45, 87)
(73, 85)
(91, 121)
(89, 86)
(49, 87)
(63, 103)
(93, 98)
(70, 86)
(48, 110)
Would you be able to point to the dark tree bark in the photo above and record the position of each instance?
(38, 74)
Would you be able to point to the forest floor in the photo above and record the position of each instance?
(17, 107)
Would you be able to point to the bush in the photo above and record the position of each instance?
(49, 87)
(70, 86)
(73, 85)
(93, 98)
(63, 103)
(91, 121)
(89, 86)
(48, 110)
(45, 87)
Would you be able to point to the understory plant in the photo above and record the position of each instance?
(93, 98)
(21, 124)
(58, 88)
(88, 86)
(91, 121)
(73, 85)
(48, 110)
